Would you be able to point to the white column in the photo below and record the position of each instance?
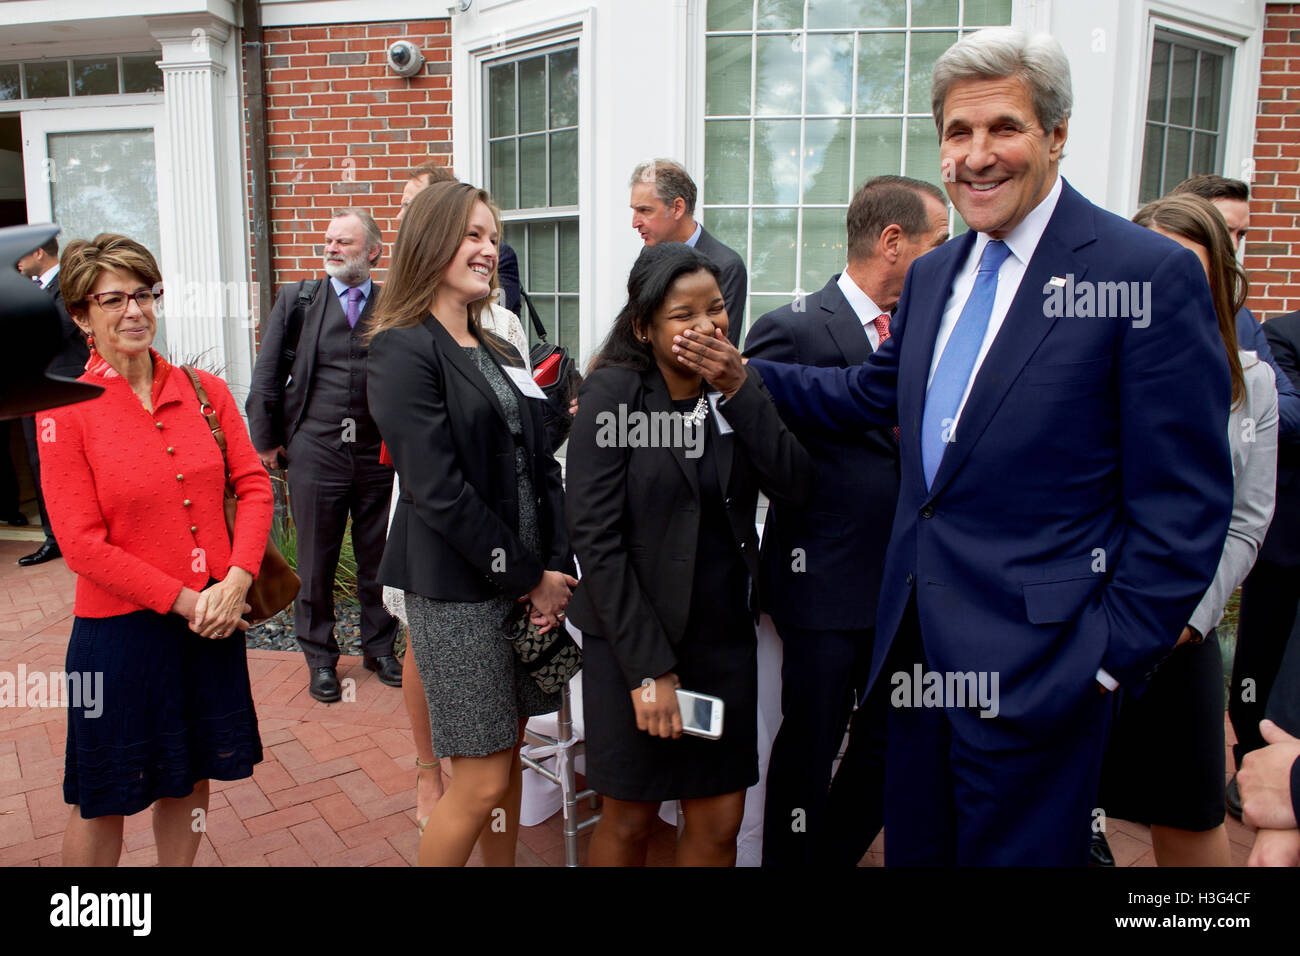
(207, 297)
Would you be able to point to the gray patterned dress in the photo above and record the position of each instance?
(476, 687)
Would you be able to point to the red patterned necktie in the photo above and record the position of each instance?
(881, 322)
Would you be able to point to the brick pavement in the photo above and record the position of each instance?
(336, 787)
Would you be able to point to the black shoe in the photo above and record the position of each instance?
(324, 685)
(388, 668)
(1234, 798)
(46, 552)
(1099, 851)
(18, 520)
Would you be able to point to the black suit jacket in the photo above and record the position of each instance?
(1282, 544)
(453, 536)
(822, 564)
(275, 408)
(508, 277)
(634, 513)
(734, 280)
(70, 361)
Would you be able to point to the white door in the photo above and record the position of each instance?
(94, 170)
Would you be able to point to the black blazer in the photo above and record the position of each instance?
(70, 361)
(453, 536)
(1282, 544)
(821, 565)
(508, 277)
(634, 513)
(733, 281)
(275, 409)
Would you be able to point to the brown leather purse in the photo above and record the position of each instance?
(276, 584)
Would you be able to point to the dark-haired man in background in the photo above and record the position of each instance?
(820, 566)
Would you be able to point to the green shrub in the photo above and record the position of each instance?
(285, 536)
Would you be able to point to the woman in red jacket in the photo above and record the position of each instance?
(134, 483)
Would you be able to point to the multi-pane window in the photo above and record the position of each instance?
(804, 101)
(532, 156)
(1186, 112)
(81, 76)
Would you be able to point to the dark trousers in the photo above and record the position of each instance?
(951, 803)
(808, 819)
(325, 486)
(1269, 598)
(34, 458)
(1284, 702)
(9, 494)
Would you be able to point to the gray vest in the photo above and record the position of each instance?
(337, 413)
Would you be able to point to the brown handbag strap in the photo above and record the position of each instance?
(209, 415)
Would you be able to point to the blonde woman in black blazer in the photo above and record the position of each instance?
(479, 525)
(666, 541)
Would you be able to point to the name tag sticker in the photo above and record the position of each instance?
(724, 427)
(524, 382)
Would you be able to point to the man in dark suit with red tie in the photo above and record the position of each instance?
(820, 565)
(318, 421)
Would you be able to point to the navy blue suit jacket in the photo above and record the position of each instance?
(1251, 337)
(508, 277)
(1282, 544)
(821, 563)
(1079, 515)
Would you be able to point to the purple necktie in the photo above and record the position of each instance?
(354, 306)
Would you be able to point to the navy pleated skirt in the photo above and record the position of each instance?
(175, 709)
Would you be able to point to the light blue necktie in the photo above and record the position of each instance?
(958, 360)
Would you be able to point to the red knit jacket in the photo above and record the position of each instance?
(135, 498)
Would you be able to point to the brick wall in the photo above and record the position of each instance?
(1273, 245)
(343, 130)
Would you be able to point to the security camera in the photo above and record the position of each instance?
(405, 58)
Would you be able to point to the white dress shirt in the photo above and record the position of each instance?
(1022, 241)
(866, 310)
(695, 236)
(48, 276)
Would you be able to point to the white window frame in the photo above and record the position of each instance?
(1240, 92)
(470, 133)
(78, 117)
(1022, 14)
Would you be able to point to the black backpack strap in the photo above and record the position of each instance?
(537, 323)
(293, 325)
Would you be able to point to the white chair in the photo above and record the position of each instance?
(552, 747)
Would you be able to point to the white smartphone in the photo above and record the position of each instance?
(701, 714)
